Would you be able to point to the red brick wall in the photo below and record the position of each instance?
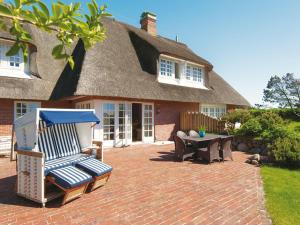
(7, 112)
(166, 117)
(6, 116)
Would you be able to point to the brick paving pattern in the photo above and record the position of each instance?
(148, 187)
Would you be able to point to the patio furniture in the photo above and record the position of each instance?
(225, 150)
(193, 133)
(210, 153)
(182, 149)
(181, 134)
(98, 170)
(72, 181)
(49, 140)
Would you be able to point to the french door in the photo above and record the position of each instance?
(117, 123)
(123, 124)
(148, 123)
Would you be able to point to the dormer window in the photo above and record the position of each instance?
(180, 72)
(166, 68)
(197, 74)
(14, 61)
(12, 66)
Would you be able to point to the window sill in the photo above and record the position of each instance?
(14, 73)
(181, 82)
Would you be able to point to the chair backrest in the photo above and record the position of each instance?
(226, 144)
(179, 146)
(181, 134)
(214, 144)
(46, 143)
(58, 141)
(66, 139)
(193, 133)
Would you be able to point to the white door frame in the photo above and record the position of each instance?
(147, 139)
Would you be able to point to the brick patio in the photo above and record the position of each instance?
(148, 187)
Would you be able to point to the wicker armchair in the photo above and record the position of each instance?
(182, 150)
(225, 151)
(193, 133)
(181, 134)
(210, 153)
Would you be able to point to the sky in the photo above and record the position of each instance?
(246, 41)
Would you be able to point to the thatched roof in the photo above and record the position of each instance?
(124, 65)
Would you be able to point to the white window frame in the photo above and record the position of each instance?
(28, 108)
(189, 74)
(213, 110)
(167, 68)
(8, 70)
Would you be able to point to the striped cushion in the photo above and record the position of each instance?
(46, 142)
(70, 176)
(66, 139)
(65, 161)
(94, 167)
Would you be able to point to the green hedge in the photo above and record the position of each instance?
(269, 127)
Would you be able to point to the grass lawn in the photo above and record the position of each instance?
(282, 190)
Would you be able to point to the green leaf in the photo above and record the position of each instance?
(57, 50)
(13, 50)
(103, 8)
(71, 62)
(44, 8)
(56, 10)
(92, 9)
(24, 48)
(18, 3)
(95, 4)
(77, 6)
(4, 9)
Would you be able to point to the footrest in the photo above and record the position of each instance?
(69, 177)
(72, 181)
(99, 170)
(94, 167)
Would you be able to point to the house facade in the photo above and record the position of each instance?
(137, 81)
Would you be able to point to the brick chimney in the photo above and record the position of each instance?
(148, 23)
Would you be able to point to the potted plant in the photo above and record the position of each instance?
(202, 131)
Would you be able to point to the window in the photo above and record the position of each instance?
(188, 72)
(83, 105)
(193, 73)
(180, 72)
(197, 74)
(215, 111)
(14, 61)
(167, 68)
(108, 121)
(12, 66)
(10, 62)
(22, 108)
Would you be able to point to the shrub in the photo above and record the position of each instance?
(251, 128)
(286, 150)
(238, 115)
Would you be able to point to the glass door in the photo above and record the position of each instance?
(109, 123)
(148, 123)
(123, 132)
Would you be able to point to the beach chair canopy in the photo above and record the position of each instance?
(66, 117)
(28, 127)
